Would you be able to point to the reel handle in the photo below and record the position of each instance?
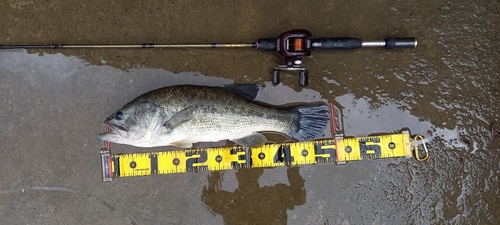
(303, 77)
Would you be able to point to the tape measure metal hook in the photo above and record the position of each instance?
(419, 138)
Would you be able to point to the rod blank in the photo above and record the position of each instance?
(61, 46)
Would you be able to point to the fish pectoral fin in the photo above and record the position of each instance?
(254, 140)
(182, 144)
(180, 117)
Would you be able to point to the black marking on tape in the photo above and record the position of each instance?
(176, 161)
(154, 163)
(348, 149)
(366, 148)
(320, 149)
(213, 45)
(148, 45)
(283, 155)
(262, 156)
(235, 164)
(191, 161)
(242, 157)
(116, 170)
(133, 164)
(248, 157)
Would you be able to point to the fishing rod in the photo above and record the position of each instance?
(292, 45)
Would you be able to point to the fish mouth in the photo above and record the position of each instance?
(114, 129)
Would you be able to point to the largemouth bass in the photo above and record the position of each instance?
(186, 114)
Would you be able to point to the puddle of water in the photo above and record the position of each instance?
(51, 92)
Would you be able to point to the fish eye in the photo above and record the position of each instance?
(119, 115)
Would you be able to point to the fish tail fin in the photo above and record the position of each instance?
(311, 121)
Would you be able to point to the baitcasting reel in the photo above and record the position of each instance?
(294, 45)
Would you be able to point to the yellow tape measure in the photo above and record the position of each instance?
(339, 151)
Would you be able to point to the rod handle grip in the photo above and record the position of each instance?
(340, 43)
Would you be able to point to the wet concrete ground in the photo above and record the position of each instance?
(447, 89)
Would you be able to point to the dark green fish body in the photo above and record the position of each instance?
(186, 114)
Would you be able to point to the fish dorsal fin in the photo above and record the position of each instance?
(248, 91)
(254, 140)
(180, 117)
